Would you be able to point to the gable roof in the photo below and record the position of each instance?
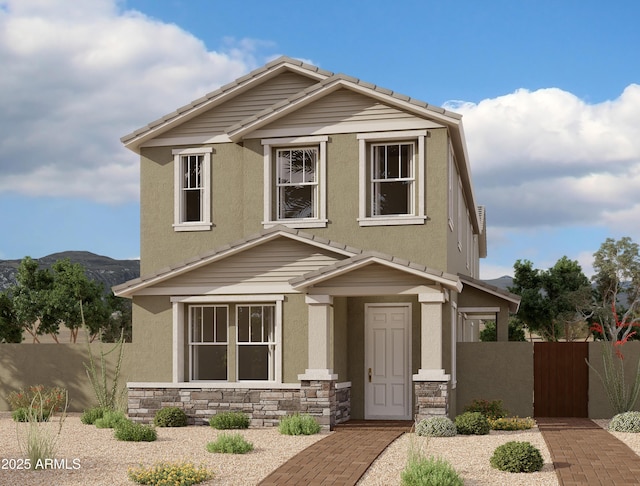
(512, 299)
(356, 258)
(135, 139)
(327, 82)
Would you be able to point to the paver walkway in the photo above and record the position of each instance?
(342, 457)
(585, 454)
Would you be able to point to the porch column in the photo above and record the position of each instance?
(431, 368)
(318, 383)
(178, 342)
(319, 341)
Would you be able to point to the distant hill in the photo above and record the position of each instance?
(502, 283)
(97, 267)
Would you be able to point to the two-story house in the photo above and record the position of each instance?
(309, 242)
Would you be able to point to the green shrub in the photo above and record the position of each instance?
(90, 415)
(517, 457)
(625, 422)
(170, 417)
(472, 423)
(299, 425)
(230, 444)
(169, 474)
(135, 432)
(422, 471)
(229, 420)
(110, 419)
(26, 414)
(511, 423)
(492, 409)
(42, 397)
(436, 427)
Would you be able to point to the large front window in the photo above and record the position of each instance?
(256, 342)
(392, 179)
(296, 183)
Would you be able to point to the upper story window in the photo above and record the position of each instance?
(192, 189)
(295, 182)
(392, 181)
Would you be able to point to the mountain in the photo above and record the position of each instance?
(97, 267)
(502, 282)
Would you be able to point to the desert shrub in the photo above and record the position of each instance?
(169, 474)
(230, 444)
(492, 409)
(436, 427)
(134, 432)
(472, 423)
(50, 399)
(170, 417)
(423, 471)
(517, 457)
(625, 422)
(90, 415)
(229, 420)
(110, 419)
(25, 414)
(511, 423)
(299, 425)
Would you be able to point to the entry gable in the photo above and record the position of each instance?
(374, 273)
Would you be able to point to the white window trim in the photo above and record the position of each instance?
(269, 185)
(364, 139)
(206, 223)
(180, 304)
(275, 372)
(191, 343)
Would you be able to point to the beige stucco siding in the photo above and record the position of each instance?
(153, 338)
(218, 119)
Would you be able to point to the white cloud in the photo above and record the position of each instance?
(547, 158)
(76, 79)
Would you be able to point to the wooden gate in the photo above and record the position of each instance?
(560, 379)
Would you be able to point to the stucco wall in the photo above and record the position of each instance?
(51, 364)
(237, 204)
(496, 371)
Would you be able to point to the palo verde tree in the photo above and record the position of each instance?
(617, 280)
(553, 301)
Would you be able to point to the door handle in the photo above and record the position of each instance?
(369, 375)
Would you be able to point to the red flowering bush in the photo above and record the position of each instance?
(40, 397)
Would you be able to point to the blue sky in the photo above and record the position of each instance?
(548, 91)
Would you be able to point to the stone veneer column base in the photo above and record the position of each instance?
(432, 399)
(318, 399)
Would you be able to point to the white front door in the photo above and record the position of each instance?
(387, 364)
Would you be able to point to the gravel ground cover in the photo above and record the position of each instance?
(102, 460)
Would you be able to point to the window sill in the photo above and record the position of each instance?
(192, 227)
(392, 220)
(297, 223)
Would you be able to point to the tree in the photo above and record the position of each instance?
(617, 266)
(10, 329)
(74, 299)
(516, 333)
(553, 301)
(30, 299)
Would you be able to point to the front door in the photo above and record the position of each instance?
(387, 364)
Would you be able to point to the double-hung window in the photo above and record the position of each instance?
(256, 342)
(295, 181)
(392, 178)
(192, 187)
(208, 340)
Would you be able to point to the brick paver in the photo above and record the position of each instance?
(341, 458)
(585, 454)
